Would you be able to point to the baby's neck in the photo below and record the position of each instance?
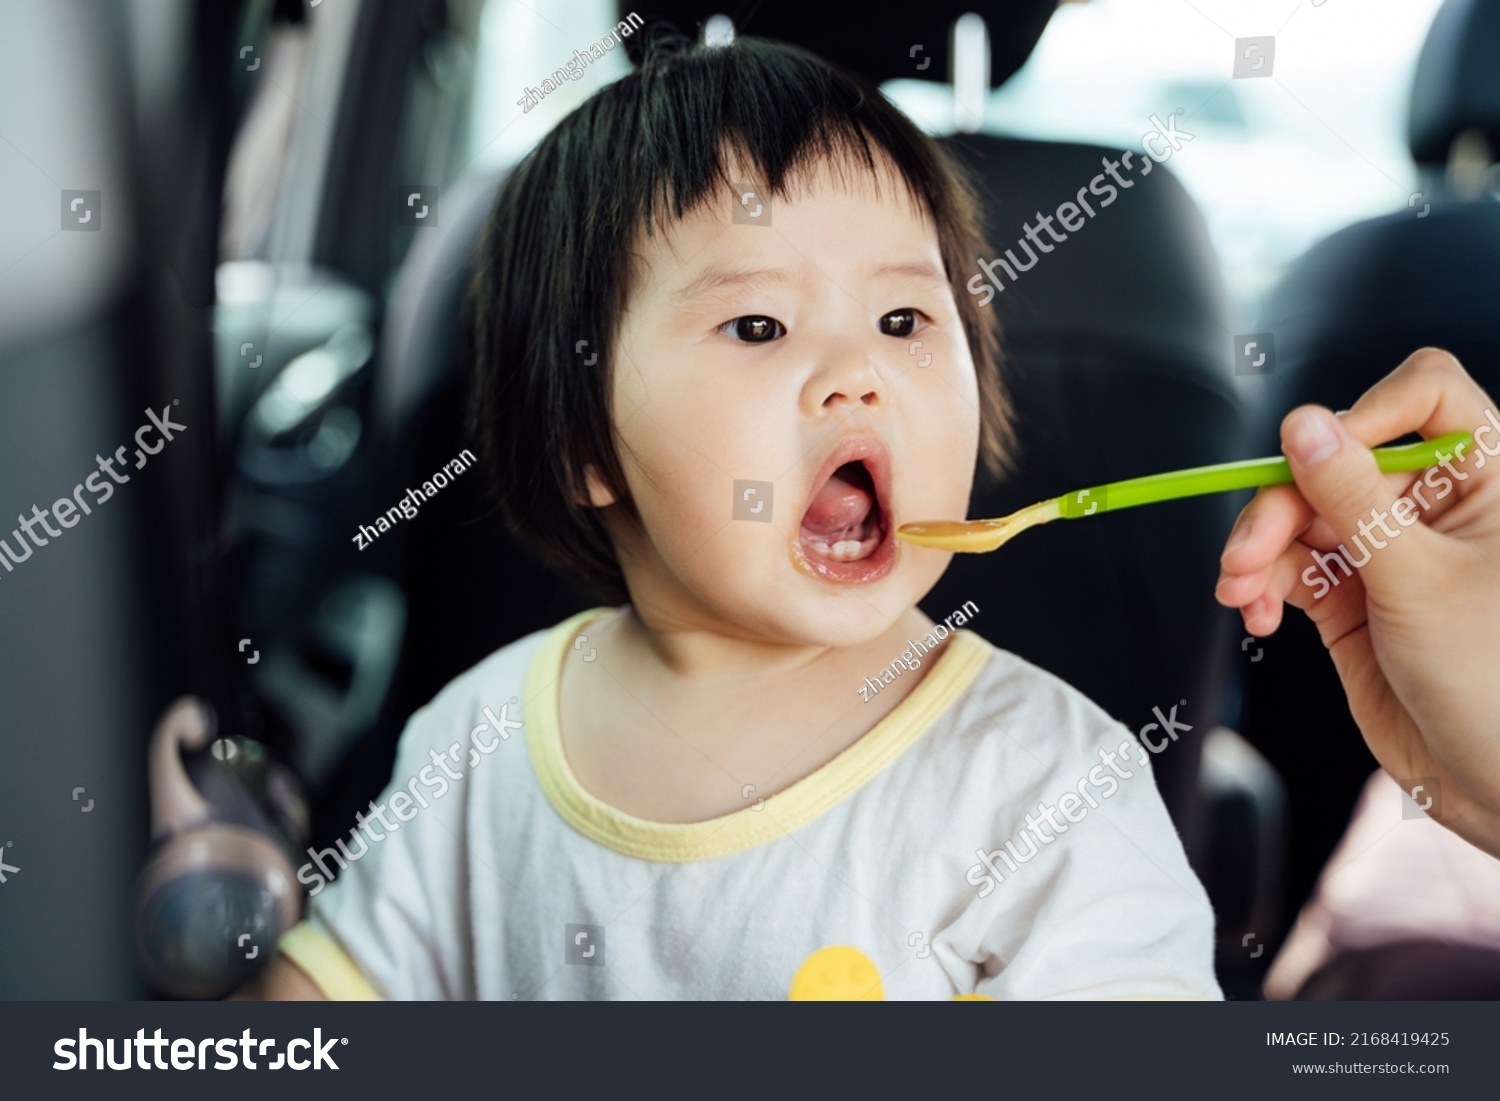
(672, 725)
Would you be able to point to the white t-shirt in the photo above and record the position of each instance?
(513, 882)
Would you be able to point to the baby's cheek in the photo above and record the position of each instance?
(695, 514)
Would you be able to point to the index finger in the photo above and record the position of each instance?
(1431, 394)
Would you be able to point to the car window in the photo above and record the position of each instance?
(1311, 140)
(522, 45)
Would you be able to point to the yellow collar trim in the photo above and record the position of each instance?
(329, 967)
(964, 655)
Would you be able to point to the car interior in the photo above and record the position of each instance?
(274, 281)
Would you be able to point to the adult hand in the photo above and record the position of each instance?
(1415, 631)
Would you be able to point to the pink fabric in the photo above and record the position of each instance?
(1392, 878)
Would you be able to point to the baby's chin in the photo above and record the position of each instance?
(800, 611)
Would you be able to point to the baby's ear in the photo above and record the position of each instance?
(599, 495)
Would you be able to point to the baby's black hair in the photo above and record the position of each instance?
(553, 272)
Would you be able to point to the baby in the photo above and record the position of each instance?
(722, 354)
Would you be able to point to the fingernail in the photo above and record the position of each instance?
(1239, 536)
(1311, 438)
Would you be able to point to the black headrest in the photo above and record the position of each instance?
(1142, 277)
(877, 40)
(1457, 87)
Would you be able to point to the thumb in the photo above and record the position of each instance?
(1338, 477)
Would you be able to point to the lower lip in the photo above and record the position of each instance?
(880, 562)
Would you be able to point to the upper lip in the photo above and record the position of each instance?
(868, 449)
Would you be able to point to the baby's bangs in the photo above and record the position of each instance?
(765, 116)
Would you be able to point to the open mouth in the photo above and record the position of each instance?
(846, 530)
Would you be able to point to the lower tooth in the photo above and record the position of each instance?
(844, 550)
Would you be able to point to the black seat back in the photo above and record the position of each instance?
(470, 587)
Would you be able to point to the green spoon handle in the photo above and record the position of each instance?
(1242, 475)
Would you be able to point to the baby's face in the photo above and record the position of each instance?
(821, 358)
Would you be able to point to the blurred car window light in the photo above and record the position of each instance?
(1279, 163)
(520, 45)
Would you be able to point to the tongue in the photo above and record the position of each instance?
(838, 506)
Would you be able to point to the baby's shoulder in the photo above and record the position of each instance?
(1019, 716)
(493, 692)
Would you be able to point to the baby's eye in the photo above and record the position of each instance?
(754, 329)
(899, 323)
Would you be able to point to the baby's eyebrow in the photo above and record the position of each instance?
(719, 277)
(911, 270)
